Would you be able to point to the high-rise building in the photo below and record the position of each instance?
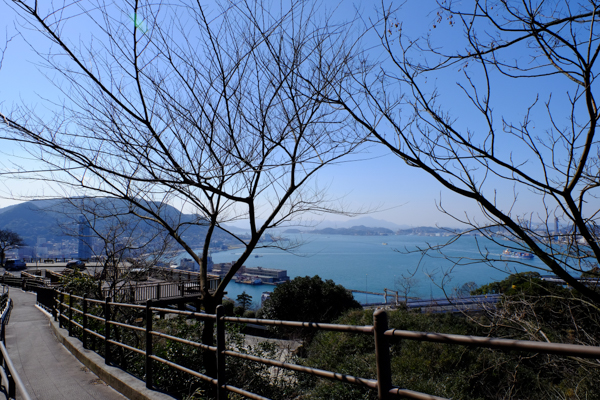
(26, 252)
(85, 239)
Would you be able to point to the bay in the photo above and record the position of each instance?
(366, 263)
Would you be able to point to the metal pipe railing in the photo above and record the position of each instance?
(13, 381)
(8, 373)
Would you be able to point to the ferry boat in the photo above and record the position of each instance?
(517, 254)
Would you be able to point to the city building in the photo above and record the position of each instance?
(26, 252)
(266, 275)
(188, 264)
(222, 269)
(84, 250)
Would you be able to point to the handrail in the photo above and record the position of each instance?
(185, 341)
(370, 383)
(563, 349)
(13, 379)
(300, 324)
(379, 329)
(8, 374)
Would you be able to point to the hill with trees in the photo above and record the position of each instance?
(354, 231)
(59, 218)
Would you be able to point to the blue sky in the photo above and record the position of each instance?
(371, 180)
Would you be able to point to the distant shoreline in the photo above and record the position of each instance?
(362, 230)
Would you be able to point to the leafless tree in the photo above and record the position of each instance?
(115, 238)
(547, 151)
(216, 111)
(9, 240)
(406, 283)
(544, 311)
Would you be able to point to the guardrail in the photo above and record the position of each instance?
(379, 330)
(53, 276)
(9, 378)
(5, 308)
(12, 280)
(179, 275)
(34, 279)
(25, 281)
(169, 274)
(153, 291)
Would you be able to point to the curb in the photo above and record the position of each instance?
(126, 384)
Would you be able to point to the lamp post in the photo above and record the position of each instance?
(366, 285)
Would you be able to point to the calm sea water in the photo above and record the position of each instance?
(365, 263)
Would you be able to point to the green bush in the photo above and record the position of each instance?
(530, 309)
(307, 299)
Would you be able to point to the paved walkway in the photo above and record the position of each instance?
(48, 370)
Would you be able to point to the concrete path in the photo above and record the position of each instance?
(48, 370)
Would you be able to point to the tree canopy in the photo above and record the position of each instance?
(309, 299)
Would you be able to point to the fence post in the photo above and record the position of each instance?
(70, 314)
(149, 378)
(107, 331)
(221, 391)
(382, 354)
(3, 323)
(12, 388)
(61, 299)
(54, 307)
(158, 291)
(84, 335)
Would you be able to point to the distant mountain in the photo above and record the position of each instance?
(354, 231)
(4, 209)
(427, 231)
(309, 226)
(369, 222)
(235, 229)
(29, 221)
(292, 231)
(58, 219)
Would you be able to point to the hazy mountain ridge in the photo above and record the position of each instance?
(58, 219)
(366, 221)
(29, 221)
(378, 231)
(354, 231)
(428, 231)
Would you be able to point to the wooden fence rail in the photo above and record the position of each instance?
(379, 330)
